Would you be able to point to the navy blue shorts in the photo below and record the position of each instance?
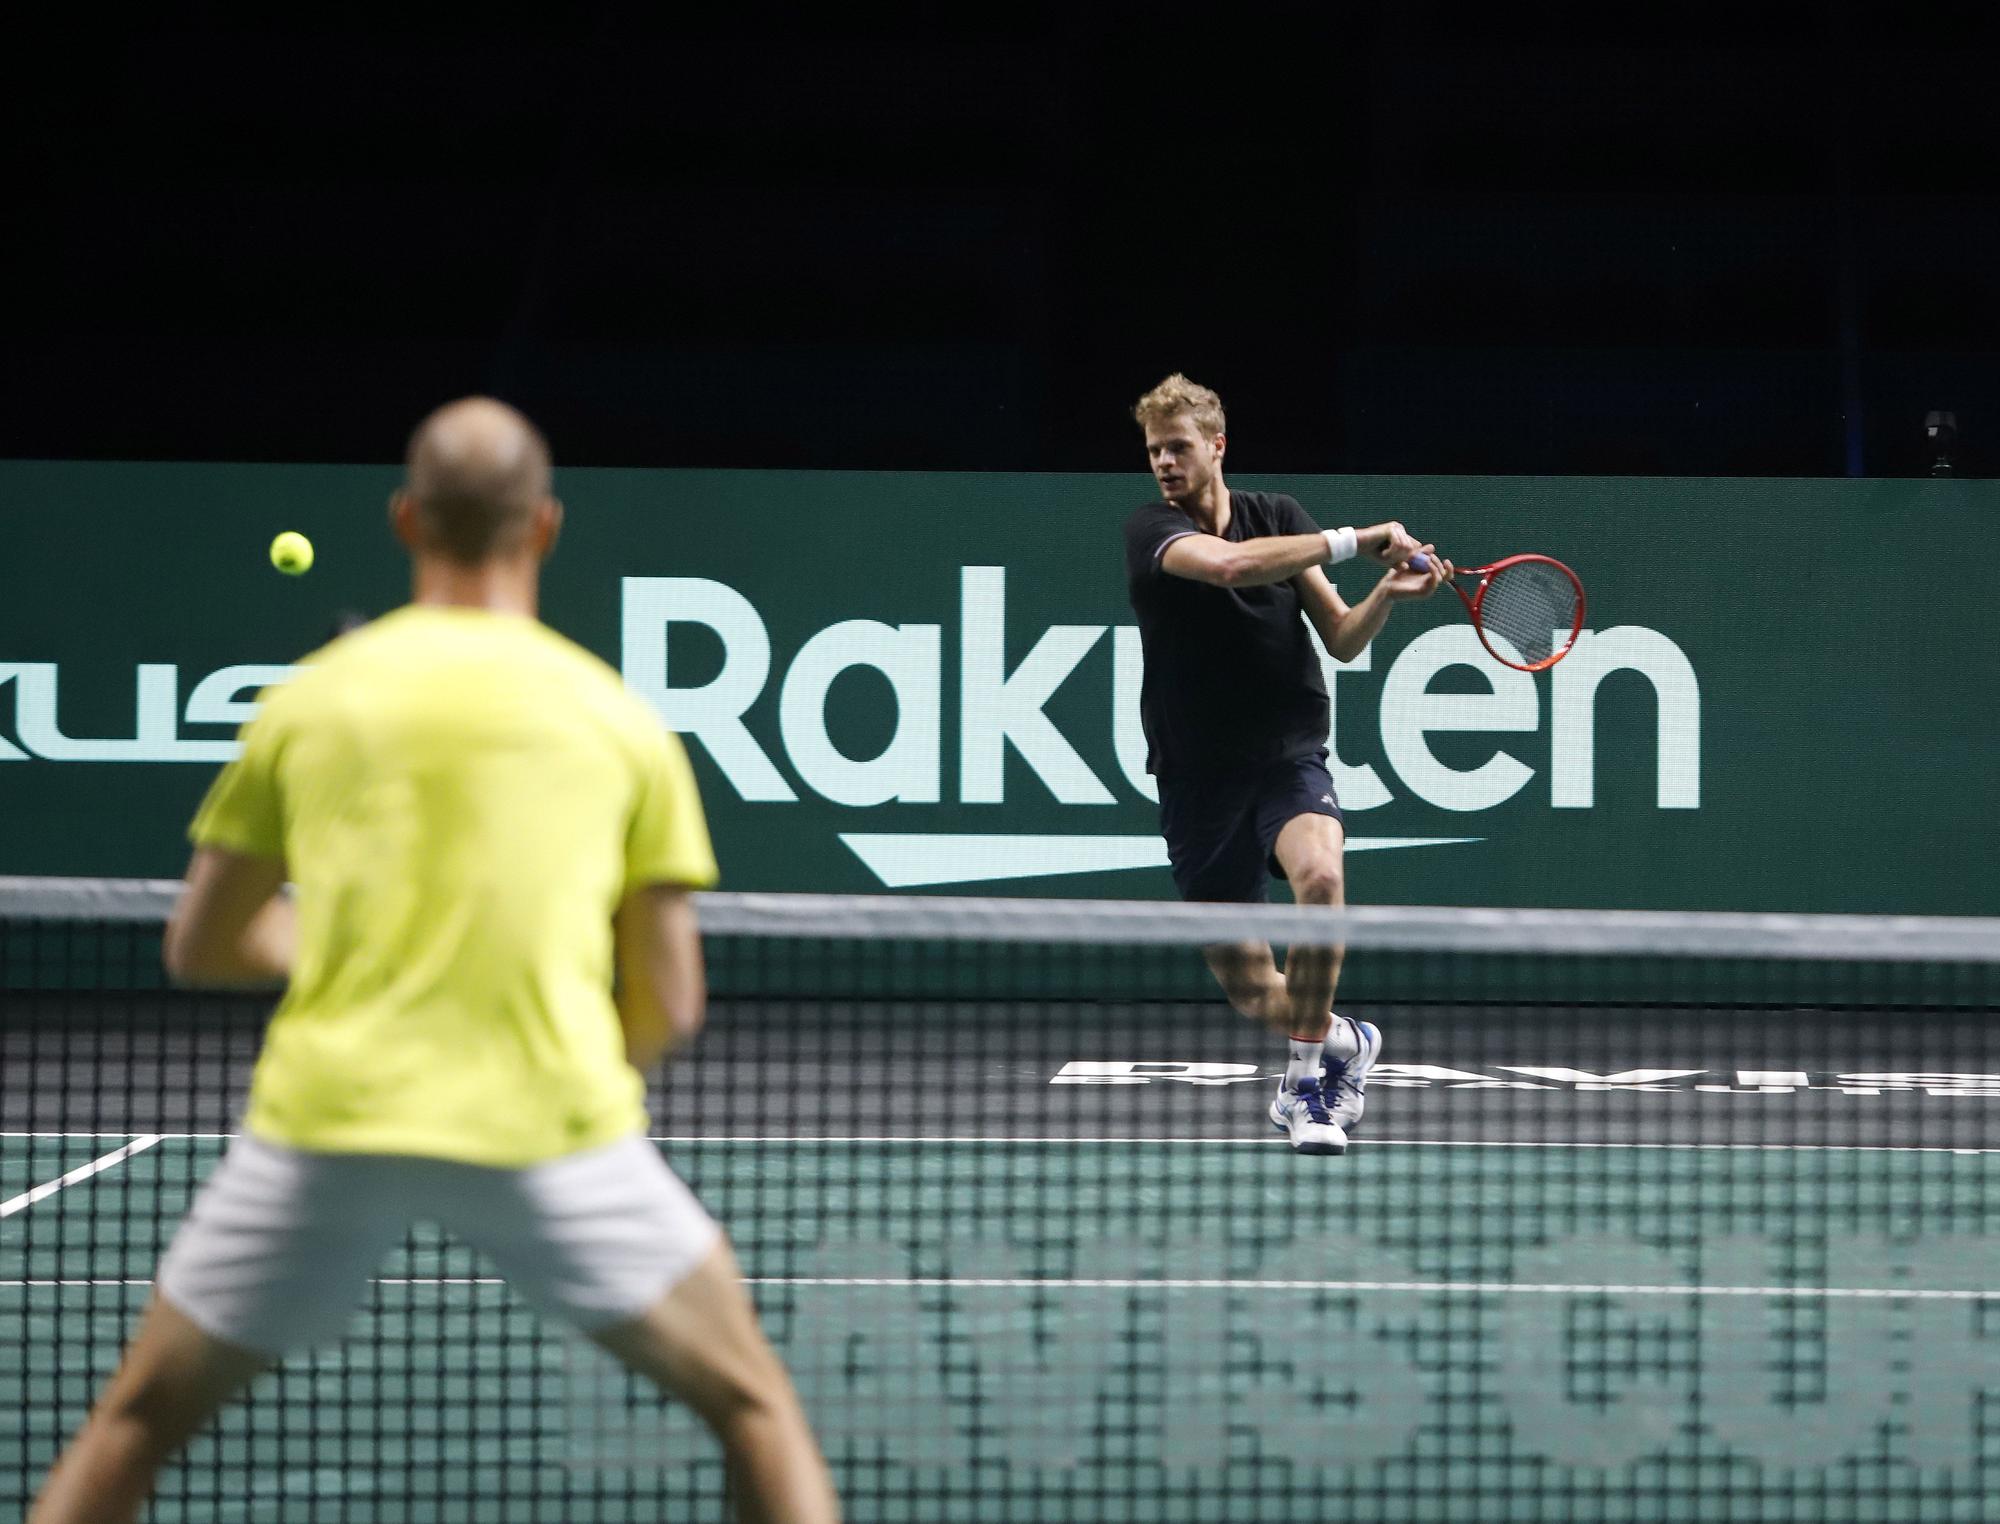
(1221, 832)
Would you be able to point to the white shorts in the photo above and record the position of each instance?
(278, 1248)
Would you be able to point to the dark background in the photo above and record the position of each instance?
(1397, 238)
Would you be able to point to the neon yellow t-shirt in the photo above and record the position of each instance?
(462, 799)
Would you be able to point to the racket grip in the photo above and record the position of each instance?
(1420, 562)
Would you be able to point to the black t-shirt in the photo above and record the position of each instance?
(1232, 676)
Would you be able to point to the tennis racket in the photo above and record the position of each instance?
(1527, 610)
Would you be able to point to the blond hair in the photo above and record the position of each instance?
(1177, 395)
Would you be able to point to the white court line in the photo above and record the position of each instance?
(83, 1172)
(1465, 1288)
(1273, 1140)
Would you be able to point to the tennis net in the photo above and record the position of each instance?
(1651, 1217)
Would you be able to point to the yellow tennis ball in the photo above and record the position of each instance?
(292, 553)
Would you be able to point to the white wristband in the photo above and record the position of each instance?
(1340, 545)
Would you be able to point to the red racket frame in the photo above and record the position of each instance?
(1478, 596)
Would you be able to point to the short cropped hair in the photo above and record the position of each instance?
(1177, 395)
(477, 472)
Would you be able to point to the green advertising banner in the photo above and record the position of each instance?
(1785, 697)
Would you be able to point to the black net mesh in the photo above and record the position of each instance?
(1531, 607)
(1624, 1234)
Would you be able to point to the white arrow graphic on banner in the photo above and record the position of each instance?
(912, 861)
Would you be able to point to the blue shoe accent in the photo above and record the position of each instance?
(1313, 1098)
(1304, 1115)
(1347, 1078)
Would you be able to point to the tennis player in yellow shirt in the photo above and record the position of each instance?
(481, 824)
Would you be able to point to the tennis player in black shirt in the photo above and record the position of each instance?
(1236, 719)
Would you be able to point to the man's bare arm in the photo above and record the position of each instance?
(1247, 563)
(662, 993)
(1275, 558)
(1346, 629)
(233, 924)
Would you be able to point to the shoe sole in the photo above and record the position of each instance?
(1319, 1149)
(1306, 1148)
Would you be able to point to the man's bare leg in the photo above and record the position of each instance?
(1299, 1001)
(701, 1343)
(1251, 982)
(170, 1383)
(1311, 850)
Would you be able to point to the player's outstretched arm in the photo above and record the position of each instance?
(1246, 563)
(1279, 558)
(1254, 563)
(662, 994)
(233, 924)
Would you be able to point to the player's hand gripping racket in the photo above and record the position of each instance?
(1527, 610)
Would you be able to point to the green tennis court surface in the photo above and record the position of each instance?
(1725, 1254)
(1047, 1331)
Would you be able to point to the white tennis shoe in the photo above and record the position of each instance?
(1304, 1115)
(1347, 1078)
